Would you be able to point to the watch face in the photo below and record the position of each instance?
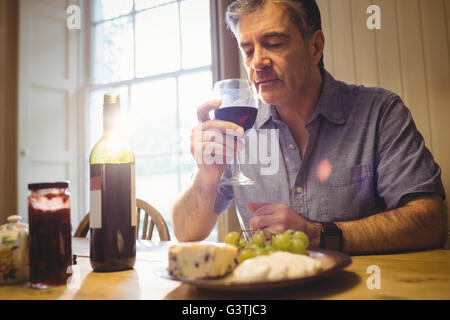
(331, 237)
(332, 242)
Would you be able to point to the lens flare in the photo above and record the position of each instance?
(323, 170)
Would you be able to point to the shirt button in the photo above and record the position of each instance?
(291, 146)
(299, 189)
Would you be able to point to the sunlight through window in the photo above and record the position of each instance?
(156, 54)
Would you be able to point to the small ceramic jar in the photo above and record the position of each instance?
(14, 248)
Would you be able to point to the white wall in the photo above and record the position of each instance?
(49, 101)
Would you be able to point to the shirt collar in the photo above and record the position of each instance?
(330, 105)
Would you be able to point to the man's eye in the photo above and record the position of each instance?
(274, 45)
(248, 53)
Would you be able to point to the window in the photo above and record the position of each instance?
(157, 55)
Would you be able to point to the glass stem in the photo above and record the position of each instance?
(237, 163)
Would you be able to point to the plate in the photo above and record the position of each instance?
(332, 262)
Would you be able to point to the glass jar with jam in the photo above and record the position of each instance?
(50, 234)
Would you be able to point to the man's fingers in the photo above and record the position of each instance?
(204, 109)
(235, 145)
(261, 222)
(215, 134)
(198, 137)
(225, 127)
(278, 228)
(211, 152)
(256, 206)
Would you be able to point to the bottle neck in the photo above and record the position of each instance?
(110, 117)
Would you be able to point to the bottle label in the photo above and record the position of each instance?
(95, 210)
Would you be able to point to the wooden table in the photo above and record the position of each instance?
(417, 275)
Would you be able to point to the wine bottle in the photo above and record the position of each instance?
(112, 218)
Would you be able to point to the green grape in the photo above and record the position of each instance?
(258, 239)
(269, 248)
(260, 252)
(297, 246)
(251, 246)
(246, 254)
(232, 238)
(281, 242)
(290, 232)
(290, 240)
(302, 236)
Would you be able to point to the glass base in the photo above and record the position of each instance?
(238, 180)
(40, 286)
(43, 285)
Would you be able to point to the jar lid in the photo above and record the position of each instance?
(13, 225)
(48, 185)
(14, 219)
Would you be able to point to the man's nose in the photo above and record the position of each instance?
(260, 59)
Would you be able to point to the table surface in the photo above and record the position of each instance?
(414, 275)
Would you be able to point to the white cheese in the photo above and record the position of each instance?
(195, 260)
(279, 265)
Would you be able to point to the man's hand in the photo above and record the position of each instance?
(280, 217)
(193, 213)
(206, 149)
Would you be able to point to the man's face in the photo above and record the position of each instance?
(276, 56)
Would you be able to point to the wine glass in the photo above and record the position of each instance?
(240, 106)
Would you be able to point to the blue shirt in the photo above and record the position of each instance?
(364, 156)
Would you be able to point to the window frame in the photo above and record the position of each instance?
(136, 80)
(225, 63)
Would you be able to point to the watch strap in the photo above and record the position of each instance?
(329, 226)
(331, 236)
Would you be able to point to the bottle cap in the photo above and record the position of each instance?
(111, 98)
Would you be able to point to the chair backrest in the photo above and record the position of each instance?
(156, 219)
(83, 227)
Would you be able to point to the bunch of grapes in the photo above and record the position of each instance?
(291, 241)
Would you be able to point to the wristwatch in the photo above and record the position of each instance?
(331, 236)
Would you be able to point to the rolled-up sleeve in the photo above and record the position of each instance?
(404, 164)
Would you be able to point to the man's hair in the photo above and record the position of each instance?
(305, 14)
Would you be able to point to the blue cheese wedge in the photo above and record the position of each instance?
(197, 260)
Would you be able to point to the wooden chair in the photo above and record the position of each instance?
(83, 227)
(156, 219)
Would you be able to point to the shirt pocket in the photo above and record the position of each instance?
(348, 194)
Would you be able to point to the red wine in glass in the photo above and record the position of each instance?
(243, 116)
(240, 106)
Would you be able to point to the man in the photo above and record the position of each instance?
(355, 173)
